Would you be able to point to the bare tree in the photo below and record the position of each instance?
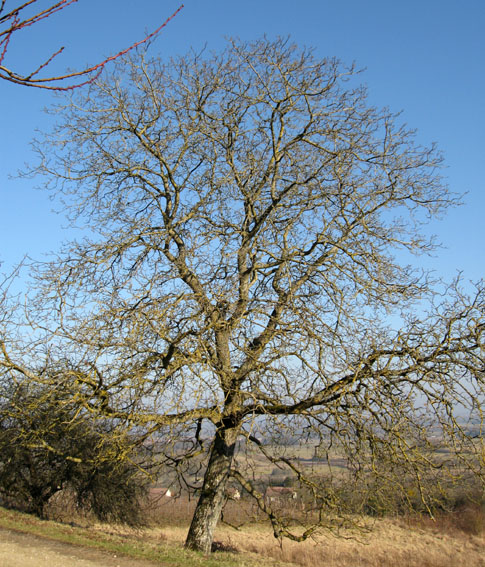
(242, 279)
(25, 15)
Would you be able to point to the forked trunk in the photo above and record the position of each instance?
(209, 506)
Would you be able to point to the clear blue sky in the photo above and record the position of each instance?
(424, 57)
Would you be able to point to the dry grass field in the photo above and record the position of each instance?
(451, 540)
(454, 540)
(390, 544)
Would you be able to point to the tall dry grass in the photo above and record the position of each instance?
(451, 540)
(388, 545)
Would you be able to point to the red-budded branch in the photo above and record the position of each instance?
(14, 21)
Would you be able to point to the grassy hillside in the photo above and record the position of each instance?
(449, 541)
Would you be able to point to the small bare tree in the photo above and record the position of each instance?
(26, 14)
(242, 278)
(47, 445)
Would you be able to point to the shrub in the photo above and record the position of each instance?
(48, 445)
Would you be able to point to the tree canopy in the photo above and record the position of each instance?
(246, 273)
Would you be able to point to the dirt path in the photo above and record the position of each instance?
(24, 550)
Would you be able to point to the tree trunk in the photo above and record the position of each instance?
(209, 506)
